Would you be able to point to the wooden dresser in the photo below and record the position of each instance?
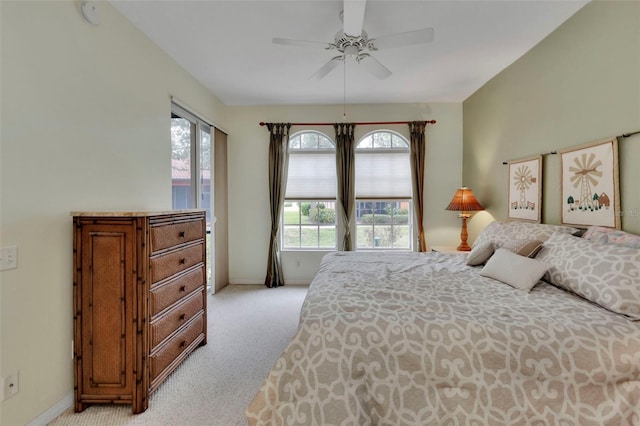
(139, 300)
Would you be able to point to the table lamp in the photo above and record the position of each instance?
(464, 201)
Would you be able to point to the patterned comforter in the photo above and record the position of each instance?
(423, 339)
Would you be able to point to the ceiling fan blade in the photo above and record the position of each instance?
(326, 68)
(302, 43)
(424, 35)
(353, 17)
(374, 66)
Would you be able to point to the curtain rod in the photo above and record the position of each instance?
(262, 123)
(624, 135)
(542, 153)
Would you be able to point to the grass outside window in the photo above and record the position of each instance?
(309, 225)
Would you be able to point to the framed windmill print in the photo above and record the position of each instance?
(589, 182)
(525, 189)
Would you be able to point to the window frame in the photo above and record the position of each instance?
(297, 199)
(405, 149)
(301, 226)
(373, 225)
(199, 198)
(198, 127)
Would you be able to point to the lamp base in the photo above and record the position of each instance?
(463, 247)
(463, 233)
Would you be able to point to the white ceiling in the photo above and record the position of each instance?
(227, 46)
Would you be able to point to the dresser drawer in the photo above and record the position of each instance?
(168, 264)
(165, 295)
(174, 347)
(166, 236)
(176, 317)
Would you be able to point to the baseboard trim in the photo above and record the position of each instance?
(244, 281)
(53, 412)
(241, 281)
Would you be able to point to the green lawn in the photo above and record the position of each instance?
(312, 235)
(309, 237)
(291, 215)
(325, 236)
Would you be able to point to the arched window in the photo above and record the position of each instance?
(309, 214)
(383, 192)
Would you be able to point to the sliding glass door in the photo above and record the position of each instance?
(191, 162)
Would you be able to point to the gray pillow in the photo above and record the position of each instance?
(480, 253)
(503, 232)
(606, 274)
(526, 248)
(483, 251)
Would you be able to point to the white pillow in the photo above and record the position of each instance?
(518, 271)
(602, 235)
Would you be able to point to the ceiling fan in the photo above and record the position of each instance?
(353, 42)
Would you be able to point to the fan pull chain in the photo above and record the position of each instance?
(344, 91)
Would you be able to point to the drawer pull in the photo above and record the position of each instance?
(183, 343)
(182, 317)
(183, 288)
(183, 261)
(182, 234)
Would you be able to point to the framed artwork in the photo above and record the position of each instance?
(589, 182)
(525, 189)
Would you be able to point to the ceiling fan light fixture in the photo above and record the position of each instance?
(355, 46)
(351, 51)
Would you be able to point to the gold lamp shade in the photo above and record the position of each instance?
(464, 201)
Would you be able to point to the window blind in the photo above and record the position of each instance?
(383, 175)
(312, 175)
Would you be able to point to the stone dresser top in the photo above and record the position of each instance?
(131, 213)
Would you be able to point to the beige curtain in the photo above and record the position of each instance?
(417, 145)
(345, 168)
(278, 162)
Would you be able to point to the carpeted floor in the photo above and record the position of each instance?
(248, 328)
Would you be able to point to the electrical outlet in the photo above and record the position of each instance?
(8, 257)
(297, 263)
(10, 387)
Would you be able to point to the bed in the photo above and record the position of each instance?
(399, 338)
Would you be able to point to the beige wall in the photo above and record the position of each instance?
(85, 125)
(249, 221)
(580, 84)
